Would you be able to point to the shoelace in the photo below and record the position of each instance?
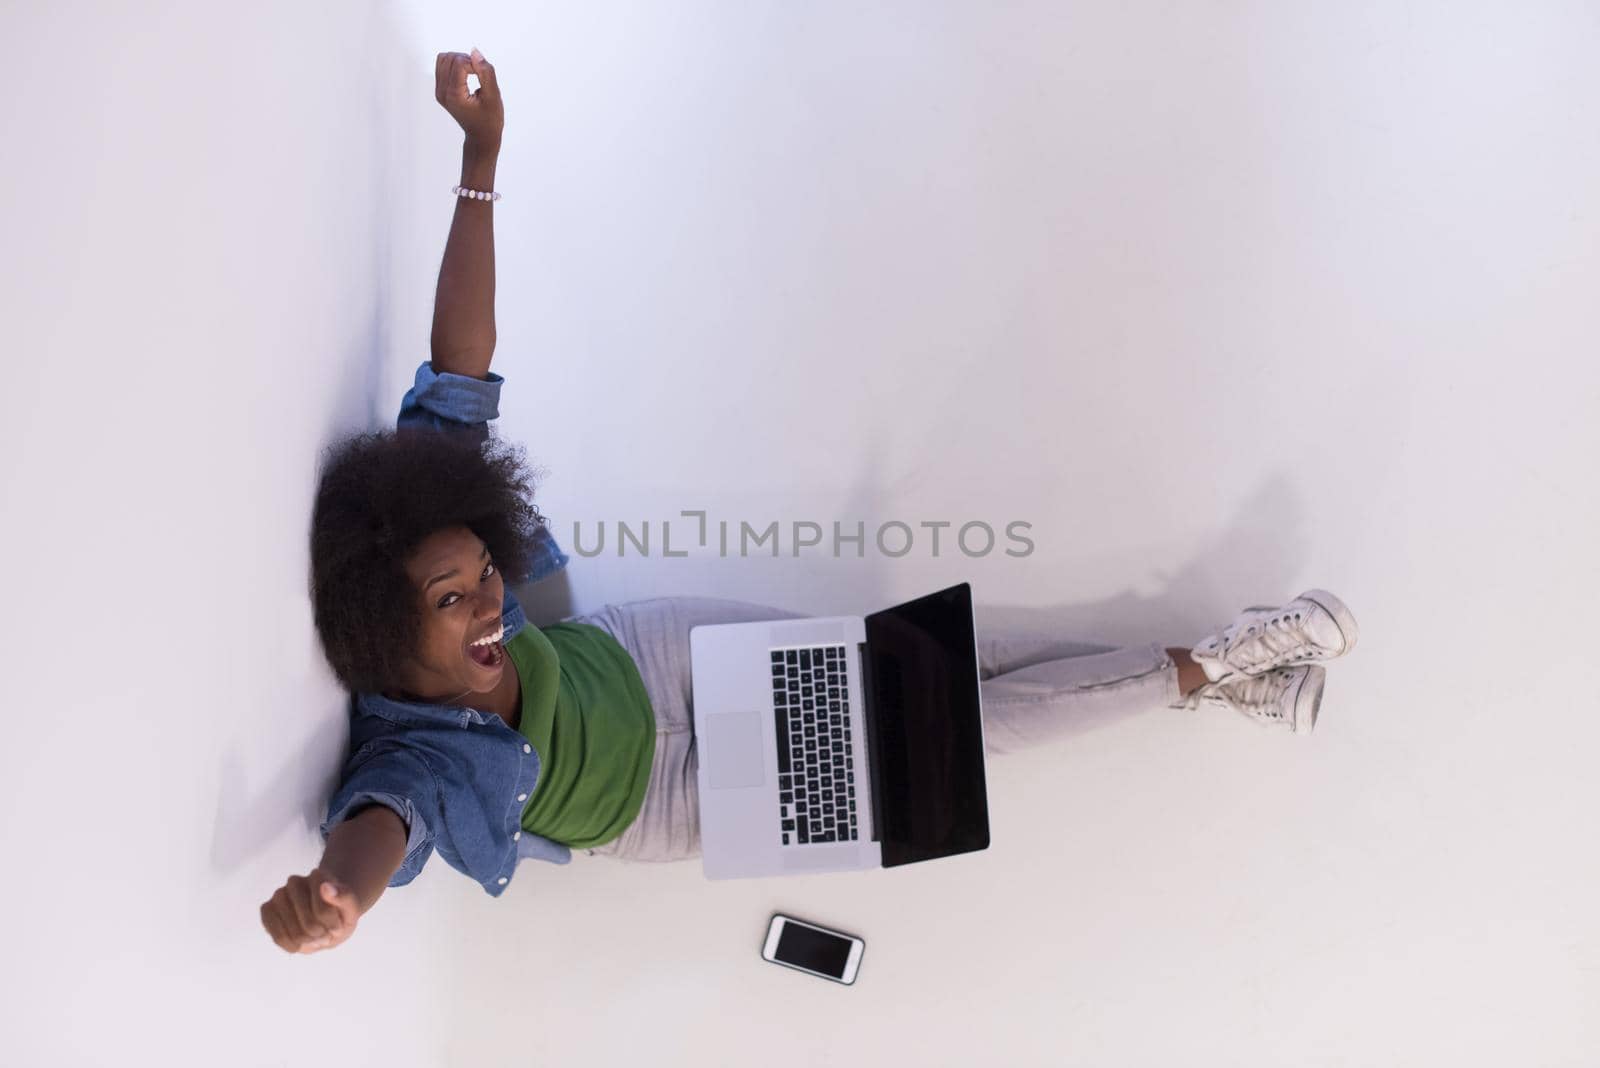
(1264, 704)
(1284, 625)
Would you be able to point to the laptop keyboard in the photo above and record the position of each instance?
(810, 697)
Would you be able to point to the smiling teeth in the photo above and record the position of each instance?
(491, 639)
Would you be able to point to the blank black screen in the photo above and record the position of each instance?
(926, 728)
(805, 948)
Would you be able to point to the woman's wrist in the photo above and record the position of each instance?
(478, 148)
(477, 170)
(477, 167)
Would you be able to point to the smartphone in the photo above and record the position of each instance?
(805, 947)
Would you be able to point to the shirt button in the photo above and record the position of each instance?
(502, 880)
(516, 836)
(522, 797)
(526, 748)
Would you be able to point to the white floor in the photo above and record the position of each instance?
(1226, 302)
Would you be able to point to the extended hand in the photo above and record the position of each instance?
(310, 913)
(482, 114)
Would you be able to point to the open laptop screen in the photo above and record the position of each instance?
(929, 795)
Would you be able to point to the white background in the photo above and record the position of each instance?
(1227, 300)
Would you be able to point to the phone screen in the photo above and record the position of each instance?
(816, 950)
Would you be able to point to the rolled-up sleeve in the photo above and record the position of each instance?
(450, 402)
(401, 782)
(461, 404)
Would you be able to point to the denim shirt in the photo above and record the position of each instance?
(458, 777)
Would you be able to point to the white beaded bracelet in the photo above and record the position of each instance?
(473, 193)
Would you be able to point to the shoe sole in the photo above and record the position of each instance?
(1308, 698)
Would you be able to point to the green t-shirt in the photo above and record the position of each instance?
(586, 713)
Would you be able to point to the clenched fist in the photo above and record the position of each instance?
(482, 114)
(310, 912)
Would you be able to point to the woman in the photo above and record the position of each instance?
(492, 741)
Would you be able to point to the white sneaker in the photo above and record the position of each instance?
(1285, 697)
(1314, 626)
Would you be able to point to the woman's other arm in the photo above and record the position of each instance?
(463, 306)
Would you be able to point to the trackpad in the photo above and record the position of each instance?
(823, 859)
(734, 753)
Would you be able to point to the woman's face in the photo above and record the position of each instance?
(462, 598)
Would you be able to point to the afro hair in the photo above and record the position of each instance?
(379, 497)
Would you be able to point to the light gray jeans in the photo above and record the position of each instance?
(1033, 690)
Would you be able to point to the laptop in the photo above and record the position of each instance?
(840, 743)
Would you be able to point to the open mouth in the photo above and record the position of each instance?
(489, 656)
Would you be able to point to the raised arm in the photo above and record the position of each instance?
(464, 337)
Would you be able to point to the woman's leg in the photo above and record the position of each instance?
(1033, 690)
(1037, 690)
